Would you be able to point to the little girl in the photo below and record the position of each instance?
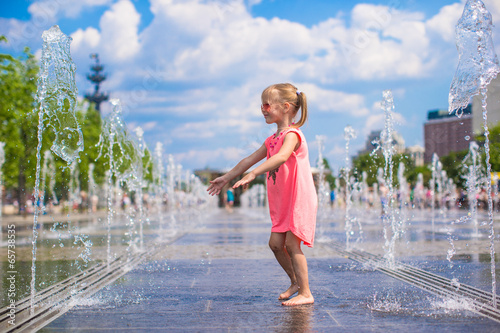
(290, 187)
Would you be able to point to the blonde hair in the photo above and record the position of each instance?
(288, 93)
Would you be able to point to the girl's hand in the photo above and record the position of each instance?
(216, 185)
(245, 181)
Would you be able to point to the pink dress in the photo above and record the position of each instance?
(290, 189)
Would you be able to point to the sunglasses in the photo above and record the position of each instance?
(267, 106)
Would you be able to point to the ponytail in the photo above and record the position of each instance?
(302, 104)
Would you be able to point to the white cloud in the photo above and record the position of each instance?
(119, 28)
(83, 40)
(198, 67)
(210, 157)
(117, 40)
(334, 101)
(211, 128)
(376, 121)
(445, 21)
(63, 8)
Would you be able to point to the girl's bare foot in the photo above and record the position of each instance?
(290, 291)
(299, 300)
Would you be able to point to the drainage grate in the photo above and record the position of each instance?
(54, 301)
(480, 300)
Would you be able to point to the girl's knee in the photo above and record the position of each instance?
(277, 242)
(276, 246)
(292, 248)
(292, 245)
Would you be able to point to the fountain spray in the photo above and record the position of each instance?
(2, 161)
(323, 189)
(477, 66)
(56, 97)
(349, 134)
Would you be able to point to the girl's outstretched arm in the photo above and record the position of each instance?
(218, 184)
(290, 143)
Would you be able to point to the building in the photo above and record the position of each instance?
(373, 139)
(416, 153)
(445, 133)
(493, 107)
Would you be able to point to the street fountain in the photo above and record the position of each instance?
(433, 186)
(139, 182)
(2, 161)
(159, 183)
(49, 169)
(349, 134)
(70, 270)
(392, 225)
(56, 97)
(474, 182)
(323, 190)
(477, 66)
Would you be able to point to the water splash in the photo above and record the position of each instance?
(83, 242)
(433, 186)
(171, 190)
(159, 183)
(349, 134)
(138, 184)
(388, 304)
(323, 189)
(392, 226)
(56, 97)
(49, 168)
(419, 192)
(477, 66)
(474, 180)
(57, 94)
(404, 191)
(2, 161)
(92, 189)
(125, 165)
(112, 125)
(477, 62)
(74, 186)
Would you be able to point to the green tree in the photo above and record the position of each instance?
(19, 122)
(370, 163)
(494, 138)
(452, 164)
(412, 175)
(329, 177)
(91, 124)
(367, 163)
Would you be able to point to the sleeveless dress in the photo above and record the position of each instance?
(290, 190)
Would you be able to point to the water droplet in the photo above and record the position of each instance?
(467, 138)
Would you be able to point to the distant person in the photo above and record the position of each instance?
(291, 193)
(229, 200)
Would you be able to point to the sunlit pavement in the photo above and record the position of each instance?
(223, 278)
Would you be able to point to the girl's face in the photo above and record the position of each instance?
(271, 108)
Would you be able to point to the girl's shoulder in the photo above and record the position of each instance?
(295, 130)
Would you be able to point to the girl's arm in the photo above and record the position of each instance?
(290, 143)
(217, 184)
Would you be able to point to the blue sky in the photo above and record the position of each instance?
(191, 72)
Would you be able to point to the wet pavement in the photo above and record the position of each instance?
(222, 277)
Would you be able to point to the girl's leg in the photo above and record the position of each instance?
(277, 245)
(299, 264)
